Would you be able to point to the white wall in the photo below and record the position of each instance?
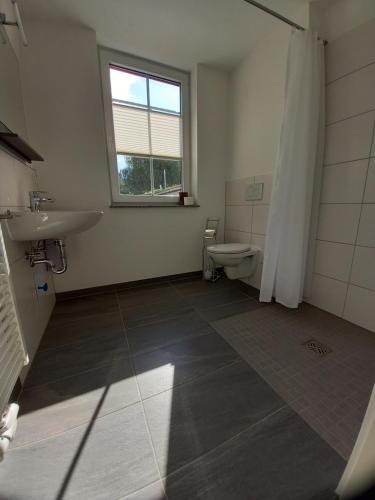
(16, 180)
(62, 94)
(257, 89)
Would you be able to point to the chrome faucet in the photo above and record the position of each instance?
(38, 197)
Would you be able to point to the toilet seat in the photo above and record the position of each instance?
(230, 248)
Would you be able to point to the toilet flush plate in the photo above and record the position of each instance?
(254, 192)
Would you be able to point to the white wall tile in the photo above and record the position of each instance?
(260, 217)
(348, 181)
(351, 95)
(15, 249)
(344, 183)
(235, 191)
(33, 310)
(363, 270)
(17, 179)
(328, 294)
(333, 259)
(256, 279)
(338, 223)
(351, 51)
(238, 218)
(366, 232)
(237, 237)
(350, 139)
(258, 240)
(360, 307)
(267, 181)
(370, 183)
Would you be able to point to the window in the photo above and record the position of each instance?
(146, 110)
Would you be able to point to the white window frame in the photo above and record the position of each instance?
(109, 58)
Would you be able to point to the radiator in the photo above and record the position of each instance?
(12, 348)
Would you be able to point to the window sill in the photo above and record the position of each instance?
(150, 205)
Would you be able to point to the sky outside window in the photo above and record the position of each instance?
(132, 88)
(164, 95)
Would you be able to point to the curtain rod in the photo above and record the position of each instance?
(278, 16)
(275, 14)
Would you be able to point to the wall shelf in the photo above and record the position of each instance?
(16, 145)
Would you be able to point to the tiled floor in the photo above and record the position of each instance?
(134, 395)
(330, 392)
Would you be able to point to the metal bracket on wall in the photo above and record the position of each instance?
(17, 23)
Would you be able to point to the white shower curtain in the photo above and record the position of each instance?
(299, 160)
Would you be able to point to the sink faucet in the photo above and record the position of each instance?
(38, 197)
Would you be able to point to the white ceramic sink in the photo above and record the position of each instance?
(53, 225)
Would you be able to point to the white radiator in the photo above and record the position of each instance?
(12, 349)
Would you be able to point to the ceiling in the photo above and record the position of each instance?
(176, 32)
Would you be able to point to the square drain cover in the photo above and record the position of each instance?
(317, 347)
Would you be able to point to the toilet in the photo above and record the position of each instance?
(240, 260)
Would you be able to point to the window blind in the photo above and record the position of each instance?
(12, 351)
(143, 132)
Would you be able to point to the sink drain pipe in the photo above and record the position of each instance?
(49, 263)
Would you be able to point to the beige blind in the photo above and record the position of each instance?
(12, 352)
(143, 132)
(165, 135)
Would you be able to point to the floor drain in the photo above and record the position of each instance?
(317, 347)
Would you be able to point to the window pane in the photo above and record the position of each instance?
(165, 96)
(127, 86)
(167, 177)
(134, 175)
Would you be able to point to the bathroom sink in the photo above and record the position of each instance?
(51, 225)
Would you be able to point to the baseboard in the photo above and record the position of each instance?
(73, 294)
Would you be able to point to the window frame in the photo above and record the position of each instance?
(109, 58)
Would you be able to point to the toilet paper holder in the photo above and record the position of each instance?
(209, 238)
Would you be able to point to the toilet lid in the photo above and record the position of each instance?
(230, 248)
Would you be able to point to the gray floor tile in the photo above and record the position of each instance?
(227, 310)
(60, 333)
(247, 289)
(109, 461)
(180, 362)
(198, 286)
(281, 458)
(67, 310)
(161, 310)
(53, 408)
(72, 359)
(154, 491)
(152, 336)
(198, 416)
(218, 298)
(132, 297)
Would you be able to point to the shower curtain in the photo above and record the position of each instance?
(297, 168)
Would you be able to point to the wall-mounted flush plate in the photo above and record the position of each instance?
(254, 192)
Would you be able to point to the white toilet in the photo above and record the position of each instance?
(240, 260)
